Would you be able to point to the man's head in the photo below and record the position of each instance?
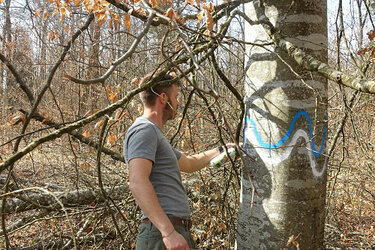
(165, 94)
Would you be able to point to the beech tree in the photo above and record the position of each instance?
(285, 128)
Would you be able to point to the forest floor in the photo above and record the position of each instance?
(213, 193)
(350, 215)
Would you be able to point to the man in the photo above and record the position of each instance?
(154, 171)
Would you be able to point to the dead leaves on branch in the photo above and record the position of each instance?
(205, 14)
(370, 47)
(208, 9)
(112, 137)
(127, 21)
(105, 13)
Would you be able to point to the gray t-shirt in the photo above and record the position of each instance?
(145, 140)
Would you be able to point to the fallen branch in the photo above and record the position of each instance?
(68, 199)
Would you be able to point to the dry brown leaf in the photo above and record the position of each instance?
(109, 90)
(184, 143)
(117, 22)
(62, 14)
(117, 115)
(111, 24)
(37, 12)
(191, 2)
(133, 103)
(125, 215)
(45, 120)
(51, 35)
(170, 13)
(154, 3)
(55, 11)
(112, 139)
(135, 81)
(85, 166)
(371, 35)
(200, 16)
(101, 16)
(67, 76)
(140, 108)
(86, 134)
(127, 21)
(105, 3)
(17, 119)
(113, 97)
(209, 6)
(210, 22)
(99, 124)
(45, 15)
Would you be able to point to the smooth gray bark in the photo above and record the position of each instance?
(284, 122)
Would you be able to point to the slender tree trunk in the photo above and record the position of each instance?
(43, 52)
(94, 65)
(7, 40)
(285, 131)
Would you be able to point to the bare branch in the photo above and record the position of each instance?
(310, 63)
(114, 154)
(18, 78)
(128, 54)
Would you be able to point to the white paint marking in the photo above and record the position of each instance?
(276, 156)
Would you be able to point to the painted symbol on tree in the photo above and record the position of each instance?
(278, 152)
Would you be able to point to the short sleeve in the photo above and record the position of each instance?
(141, 142)
(177, 153)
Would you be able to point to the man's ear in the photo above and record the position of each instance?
(163, 98)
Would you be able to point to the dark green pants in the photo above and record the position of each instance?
(149, 237)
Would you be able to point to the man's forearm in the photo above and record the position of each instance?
(199, 161)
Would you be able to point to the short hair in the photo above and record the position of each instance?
(150, 95)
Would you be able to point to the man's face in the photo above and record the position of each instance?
(170, 110)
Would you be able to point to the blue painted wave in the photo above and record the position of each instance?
(316, 152)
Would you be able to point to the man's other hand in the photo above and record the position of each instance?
(175, 241)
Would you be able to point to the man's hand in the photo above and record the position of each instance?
(175, 241)
(233, 145)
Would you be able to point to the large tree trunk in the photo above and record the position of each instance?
(285, 130)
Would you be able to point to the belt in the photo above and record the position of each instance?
(177, 221)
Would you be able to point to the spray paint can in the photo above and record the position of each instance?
(223, 157)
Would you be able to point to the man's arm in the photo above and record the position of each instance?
(145, 196)
(192, 163)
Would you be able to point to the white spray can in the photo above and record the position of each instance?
(223, 157)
